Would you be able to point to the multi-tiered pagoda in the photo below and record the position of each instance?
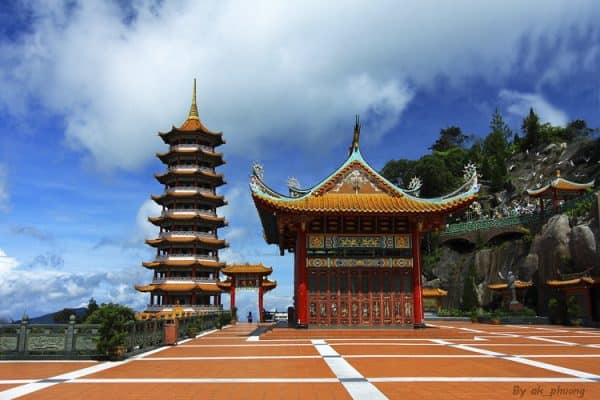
(186, 267)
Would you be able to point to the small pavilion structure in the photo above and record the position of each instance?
(433, 297)
(247, 276)
(502, 288)
(585, 288)
(559, 189)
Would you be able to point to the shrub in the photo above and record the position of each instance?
(114, 320)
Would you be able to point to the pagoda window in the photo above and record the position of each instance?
(354, 281)
(333, 282)
(323, 283)
(312, 281)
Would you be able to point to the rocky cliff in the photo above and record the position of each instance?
(564, 244)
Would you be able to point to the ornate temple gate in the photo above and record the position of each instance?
(360, 279)
(360, 296)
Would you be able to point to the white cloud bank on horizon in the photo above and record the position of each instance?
(519, 104)
(266, 70)
(37, 289)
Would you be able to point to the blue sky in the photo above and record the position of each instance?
(86, 86)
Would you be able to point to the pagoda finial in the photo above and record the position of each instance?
(558, 173)
(194, 108)
(356, 136)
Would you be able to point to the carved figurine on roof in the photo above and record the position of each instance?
(355, 221)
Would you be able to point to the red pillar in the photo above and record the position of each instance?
(260, 303)
(416, 277)
(232, 295)
(554, 200)
(301, 282)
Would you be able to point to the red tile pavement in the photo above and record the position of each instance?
(446, 367)
(279, 368)
(30, 370)
(229, 391)
(231, 342)
(488, 391)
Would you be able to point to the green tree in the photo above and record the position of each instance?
(62, 316)
(531, 130)
(113, 320)
(399, 171)
(91, 307)
(495, 152)
(450, 137)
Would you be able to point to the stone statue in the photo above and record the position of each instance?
(510, 282)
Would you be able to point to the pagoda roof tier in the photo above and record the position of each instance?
(209, 242)
(586, 281)
(198, 173)
(180, 287)
(205, 155)
(354, 188)
(434, 292)
(210, 198)
(214, 138)
(188, 215)
(502, 286)
(183, 263)
(265, 283)
(254, 269)
(562, 187)
(193, 125)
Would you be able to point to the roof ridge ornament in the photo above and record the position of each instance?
(194, 107)
(356, 136)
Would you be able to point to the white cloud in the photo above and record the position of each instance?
(520, 103)
(7, 263)
(144, 229)
(265, 69)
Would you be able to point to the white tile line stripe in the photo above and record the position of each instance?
(66, 377)
(352, 380)
(208, 380)
(476, 379)
(533, 363)
(16, 381)
(227, 358)
(544, 339)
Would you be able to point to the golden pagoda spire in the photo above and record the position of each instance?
(194, 108)
(356, 136)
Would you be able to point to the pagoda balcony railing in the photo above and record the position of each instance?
(196, 189)
(187, 234)
(191, 211)
(186, 257)
(182, 279)
(197, 308)
(191, 167)
(193, 147)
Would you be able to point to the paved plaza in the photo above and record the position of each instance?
(448, 360)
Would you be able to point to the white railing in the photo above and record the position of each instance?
(191, 167)
(184, 257)
(194, 211)
(189, 189)
(181, 279)
(187, 234)
(193, 147)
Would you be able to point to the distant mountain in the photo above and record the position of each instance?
(49, 318)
